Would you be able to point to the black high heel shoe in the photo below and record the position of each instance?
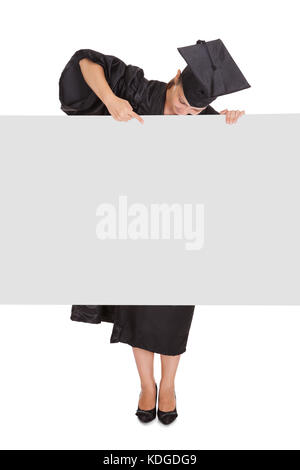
(167, 417)
(147, 415)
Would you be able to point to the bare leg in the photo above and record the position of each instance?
(144, 360)
(166, 396)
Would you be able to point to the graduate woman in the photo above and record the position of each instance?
(93, 83)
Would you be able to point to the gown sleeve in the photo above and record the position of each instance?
(77, 97)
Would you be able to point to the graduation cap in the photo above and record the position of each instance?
(211, 72)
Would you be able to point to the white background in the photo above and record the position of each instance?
(38, 38)
(63, 385)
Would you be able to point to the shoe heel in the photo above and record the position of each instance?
(167, 417)
(145, 416)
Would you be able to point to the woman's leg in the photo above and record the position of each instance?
(145, 364)
(169, 364)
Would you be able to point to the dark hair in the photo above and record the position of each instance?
(172, 82)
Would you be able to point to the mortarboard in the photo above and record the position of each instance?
(211, 72)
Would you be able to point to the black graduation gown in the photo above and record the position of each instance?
(162, 329)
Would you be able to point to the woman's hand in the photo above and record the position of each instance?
(121, 110)
(232, 116)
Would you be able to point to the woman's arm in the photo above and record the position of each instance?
(94, 76)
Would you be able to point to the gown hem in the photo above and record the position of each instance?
(147, 348)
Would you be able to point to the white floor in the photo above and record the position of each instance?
(64, 386)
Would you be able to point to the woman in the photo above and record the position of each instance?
(93, 83)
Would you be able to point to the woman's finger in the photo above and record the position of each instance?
(233, 116)
(135, 115)
(239, 114)
(228, 117)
